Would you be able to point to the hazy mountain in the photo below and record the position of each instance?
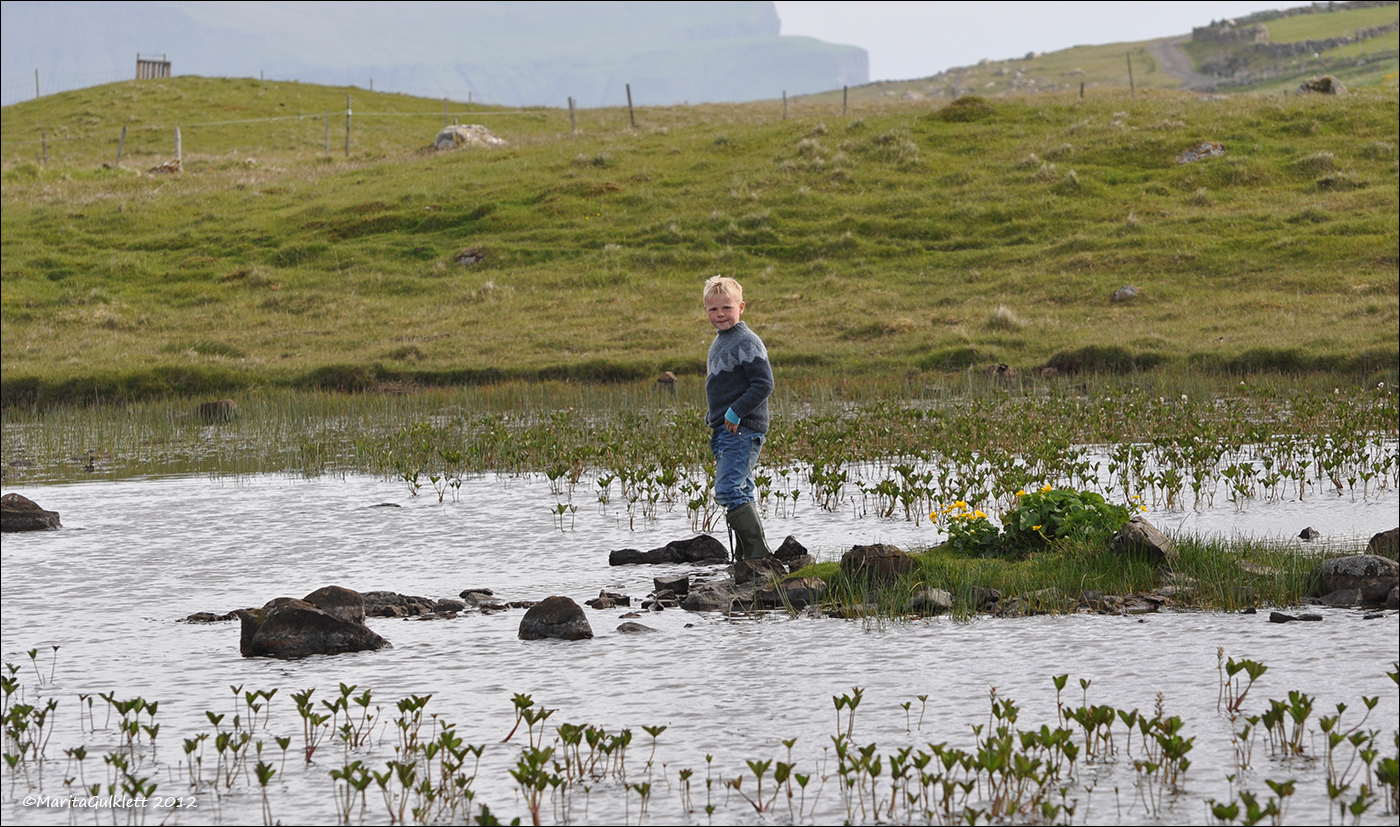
(518, 53)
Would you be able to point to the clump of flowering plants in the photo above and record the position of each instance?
(1039, 518)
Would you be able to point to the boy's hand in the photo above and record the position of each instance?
(731, 427)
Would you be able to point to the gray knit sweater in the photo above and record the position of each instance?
(738, 377)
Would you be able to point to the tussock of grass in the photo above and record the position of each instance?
(1220, 575)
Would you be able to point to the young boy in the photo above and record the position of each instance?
(737, 384)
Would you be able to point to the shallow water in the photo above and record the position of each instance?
(135, 556)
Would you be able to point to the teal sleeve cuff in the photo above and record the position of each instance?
(731, 417)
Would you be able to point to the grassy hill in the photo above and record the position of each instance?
(1104, 67)
(905, 237)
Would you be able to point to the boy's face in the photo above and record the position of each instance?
(724, 310)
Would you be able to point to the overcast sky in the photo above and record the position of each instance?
(918, 39)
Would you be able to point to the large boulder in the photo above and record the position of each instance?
(1325, 85)
(555, 617)
(877, 563)
(467, 134)
(1138, 536)
(702, 548)
(1385, 544)
(19, 513)
(1368, 574)
(290, 628)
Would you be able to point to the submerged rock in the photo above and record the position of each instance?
(760, 569)
(702, 548)
(679, 586)
(792, 593)
(555, 617)
(634, 628)
(19, 513)
(290, 628)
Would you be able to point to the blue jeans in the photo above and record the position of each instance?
(736, 455)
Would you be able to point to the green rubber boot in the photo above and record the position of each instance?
(749, 543)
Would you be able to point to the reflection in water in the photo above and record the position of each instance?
(135, 556)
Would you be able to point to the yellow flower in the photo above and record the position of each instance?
(1046, 487)
(962, 503)
(1021, 493)
(979, 513)
(1035, 528)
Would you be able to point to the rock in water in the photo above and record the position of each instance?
(1138, 536)
(555, 617)
(18, 513)
(1372, 576)
(289, 628)
(702, 548)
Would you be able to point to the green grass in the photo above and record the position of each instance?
(1210, 575)
(886, 243)
(1334, 24)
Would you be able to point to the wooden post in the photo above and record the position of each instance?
(44, 142)
(328, 133)
(784, 104)
(1132, 90)
(347, 126)
(121, 144)
(844, 90)
(36, 83)
(371, 84)
(444, 113)
(573, 125)
(179, 151)
(1081, 90)
(630, 116)
(469, 96)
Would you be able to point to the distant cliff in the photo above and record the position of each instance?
(516, 53)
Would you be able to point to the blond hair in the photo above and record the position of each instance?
(724, 285)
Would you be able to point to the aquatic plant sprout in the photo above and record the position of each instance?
(892, 460)
(1010, 770)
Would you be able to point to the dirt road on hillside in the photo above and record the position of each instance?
(1174, 62)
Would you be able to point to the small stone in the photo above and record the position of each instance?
(679, 585)
(1309, 534)
(877, 563)
(634, 628)
(931, 601)
(1280, 617)
(1126, 293)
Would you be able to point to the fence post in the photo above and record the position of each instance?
(36, 83)
(328, 132)
(1132, 90)
(444, 113)
(630, 117)
(121, 144)
(784, 104)
(844, 90)
(347, 126)
(179, 151)
(573, 125)
(1081, 90)
(44, 142)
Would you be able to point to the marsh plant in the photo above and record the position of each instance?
(418, 769)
